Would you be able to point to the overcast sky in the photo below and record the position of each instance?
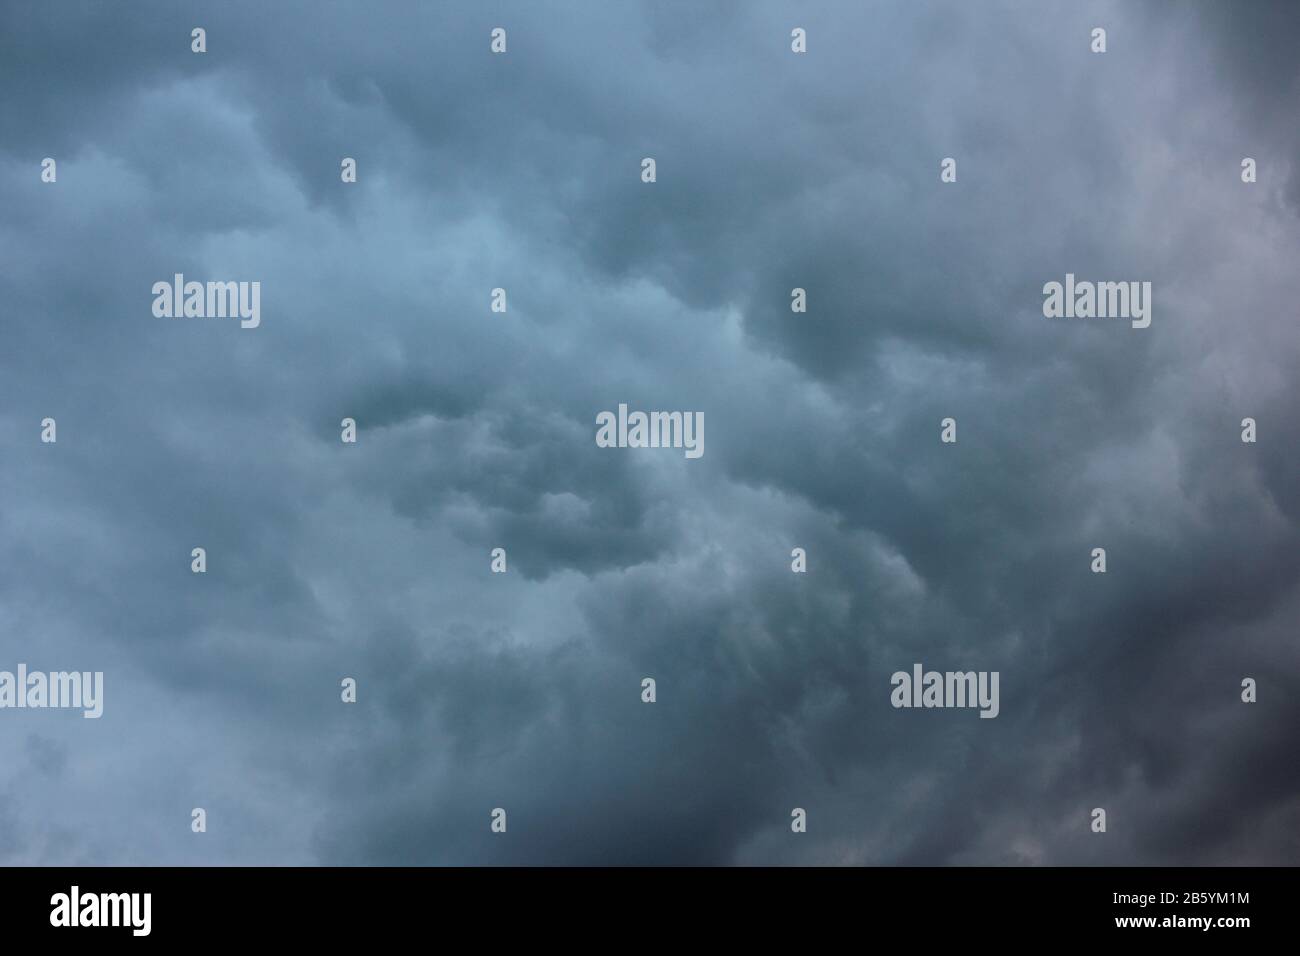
(476, 430)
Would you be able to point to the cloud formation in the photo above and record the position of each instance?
(522, 690)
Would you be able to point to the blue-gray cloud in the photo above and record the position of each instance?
(476, 431)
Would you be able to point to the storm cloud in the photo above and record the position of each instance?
(476, 430)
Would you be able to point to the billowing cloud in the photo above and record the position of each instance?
(775, 171)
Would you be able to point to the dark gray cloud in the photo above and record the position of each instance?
(476, 431)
